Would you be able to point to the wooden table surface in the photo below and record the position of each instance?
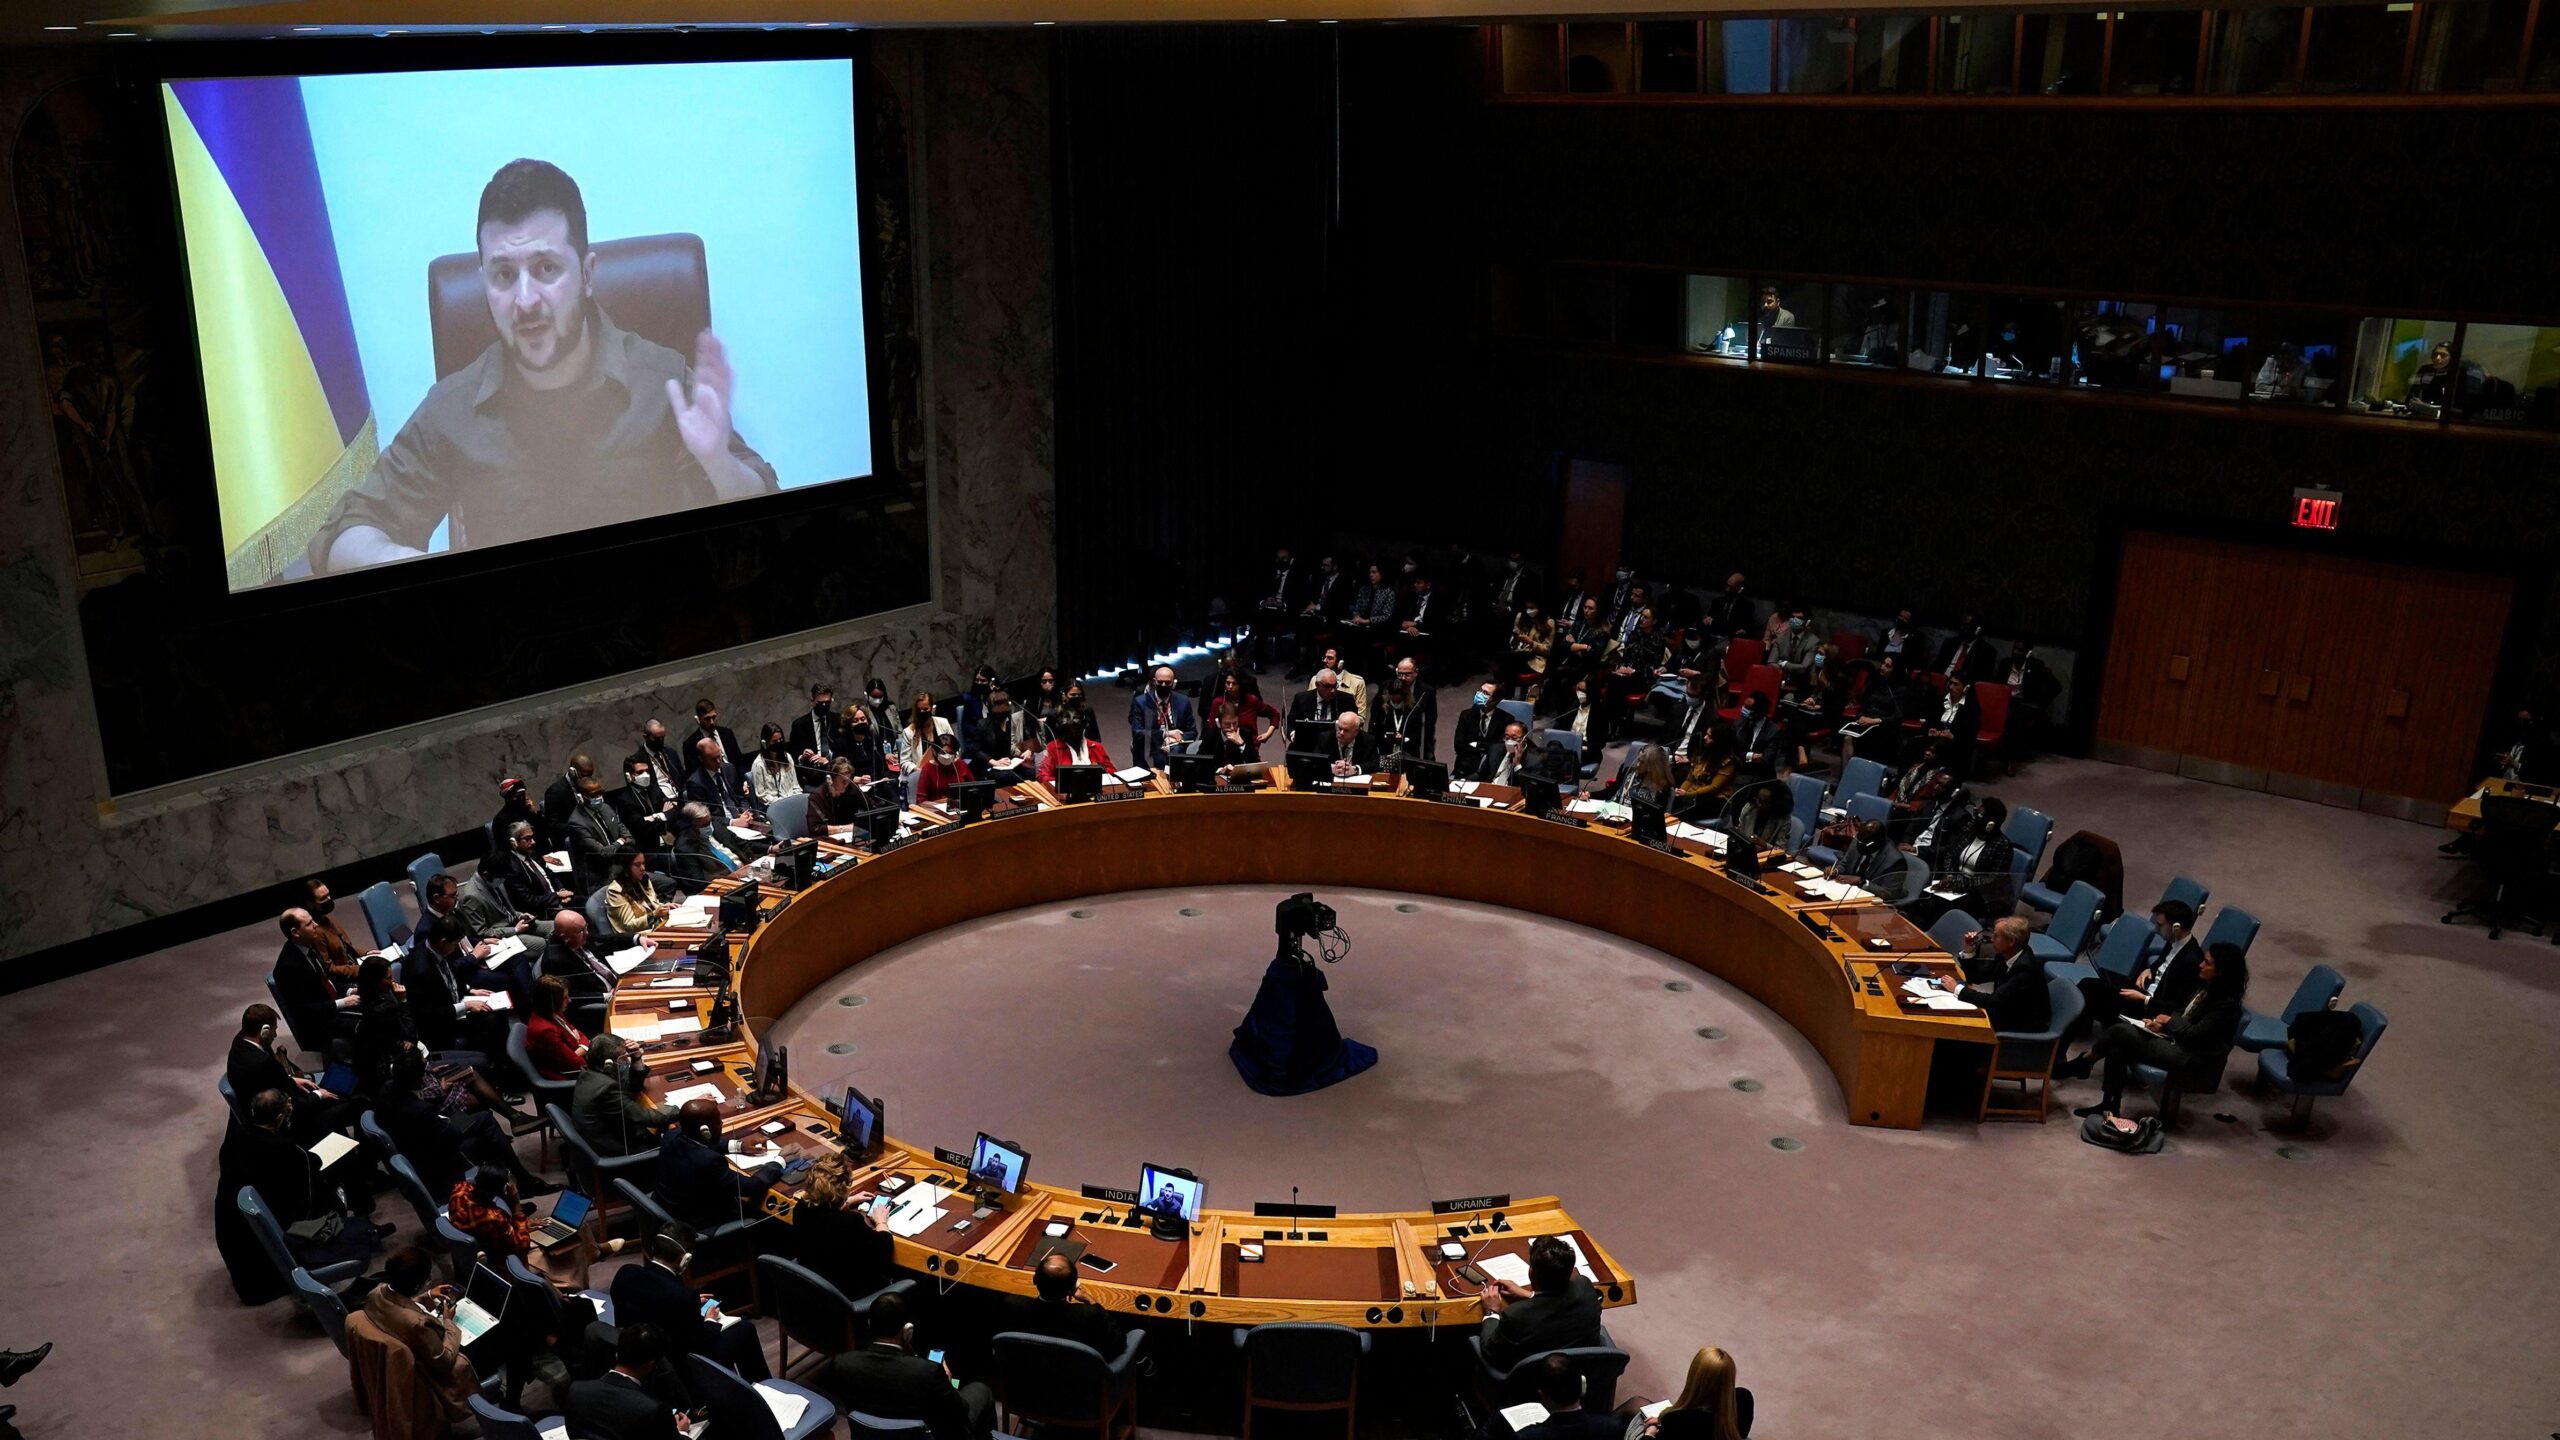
(1814, 963)
(2464, 814)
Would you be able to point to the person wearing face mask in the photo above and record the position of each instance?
(1761, 740)
(1872, 862)
(773, 774)
(707, 726)
(560, 801)
(997, 748)
(1518, 586)
(337, 949)
(916, 738)
(942, 769)
(864, 745)
(1794, 651)
(596, 834)
(1479, 728)
(1901, 639)
(1508, 757)
(646, 809)
(1956, 726)
(970, 710)
(1641, 657)
(1965, 656)
(885, 717)
(1407, 718)
(817, 733)
(521, 876)
(1161, 720)
(1583, 650)
(1072, 706)
(1691, 670)
(1373, 610)
(1071, 747)
(1533, 640)
(1578, 710)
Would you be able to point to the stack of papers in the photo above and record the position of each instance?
(556, 859)
(623, 962)
(331, 1149)
(787, 1408)
(1925, 994)
(640, 1032)
(677, 1025)
(693, 1092)
(754, 1160)
(1462, 787)
(1523, 1415)
(1683, 830)
(1832, 890)
(1801, 870)
(745, 832)
(1350, 780)
(1585, 807)
(695, 913)
(504, 950)
(1134, 775)
(1510, 1269)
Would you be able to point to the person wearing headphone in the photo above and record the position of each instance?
(655, 1293)
(887, 1378)
(611, 1104)
(1558, 1311)
(257, 1063)
(696, 1182)
(1560, 1389)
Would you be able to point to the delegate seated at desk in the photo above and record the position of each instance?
(566, 422)
(1558, 1311)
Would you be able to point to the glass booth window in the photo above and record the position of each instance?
(2111, 346)
(1716, 317)
(1577, 304)
(1746, 56)
(2059, 53)
(1530, 62)
(1649, 309)
(2402, 367)
(2355, 49)
(1945, 333)
(1596, 60)
(1814, 55)
(2203, 354)
(2510, 376)
(2542, 67)
(1667, 57)
(2296, 359)
(2025, 339)
(2154, 52)
(1786, 321)
(1863, 325)
(2469, 45)
(1975, 53)
(2253, 51)
(1893, 54)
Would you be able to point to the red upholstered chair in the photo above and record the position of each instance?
(1852, 643)
(1763, 680)
(1993, 697)
(1739, 657)
(658, 287)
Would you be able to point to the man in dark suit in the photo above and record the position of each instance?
(2162, 987)
(1283, 594)
(625, 1403)
(1558, 1311)
(305, 990)
(704, 852)
(1059, 1312)
(611, 1104)
(1761, 740)
(1322, 701)
(1354, 753)
(888, 1379)
(255, 1065)
(451, 1015)
(569, 955)
(654, 1293)
(1479, 728)
(1161, 719)
(1966, 656)
(817, 734)
(1328, 596)
(1872, 862)
(560, 799)
(1732, 612)
(707, 726)
(695, 1180)
(1507, 758)
(261, 1154)
(666, 767)
(645, 810)
(1560, 1388)
(596, 834)
(719, 784)
(519, 875)
(2006, 980)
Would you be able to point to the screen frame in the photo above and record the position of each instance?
(1021, 1170)
(1197, 1196)
(879, 1122)
(192, 435)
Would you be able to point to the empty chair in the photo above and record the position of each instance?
(593, 1173)
(2068, 935)
(1599, 1366)
(2122, 954)
(1915, 880)
(497, 1422)
(270, 1235)
(324, 1305)
(382, 912)
(2029, 829)
(1571, 780)
(789, 817)
(1042, 1380)
(812, 1310)
(738, 1412)
(2233, 926)
(1860, 776)
(2320, 985)
(1740, 656)
(2275, 1067)
(421, 870)
(1517, 710)
(1807, 808)
(1993, 697)
(546, 1093)
(369, 1125)
(1950, 929)
(1302, 1367)
(2028, 1058)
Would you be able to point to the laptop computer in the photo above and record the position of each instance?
(568, 1212)
(482, 1306)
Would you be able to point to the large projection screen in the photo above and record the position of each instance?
(449, 310)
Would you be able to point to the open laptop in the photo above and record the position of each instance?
(568, 1212)
(483, 1304)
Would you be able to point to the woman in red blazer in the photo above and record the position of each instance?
(1070, 748)
(941, 770)
(557, 1048)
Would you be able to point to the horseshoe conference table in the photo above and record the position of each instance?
(1825, 966)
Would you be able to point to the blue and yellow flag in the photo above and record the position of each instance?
(285, 399)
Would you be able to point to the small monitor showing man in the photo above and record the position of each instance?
(1175, 1194)
(998, 1164)
(862, 1123)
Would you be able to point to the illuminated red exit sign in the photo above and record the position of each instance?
(2315, 509)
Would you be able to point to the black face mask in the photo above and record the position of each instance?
(1163, 689)
(323, 907)
(823, 706)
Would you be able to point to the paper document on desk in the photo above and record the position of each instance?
(711, 1093)
(1683, 830)
(787, 1408)
(637, 1031)
(679, 1025)
(1510, 1269)
(1350, 781)
(1581, 1262)
(1134, 775)
(745, 832)
(913, 1220)
(1523, 1415)
(1801, 870)
(1462, 787)
(623, 962)
(1943, 893)
(749, 1164)
(671, 982)
(1585, 807)
(331, 1149)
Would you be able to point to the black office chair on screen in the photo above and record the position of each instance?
(2514, 857)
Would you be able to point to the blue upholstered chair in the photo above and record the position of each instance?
(591, 1172)
(497, 1422)
(725, 1249)
(2068, 933)
(546, 1093)
(1518, 710)
(2120, 955)
(421, 870)
(873, 1427)
(2028, 1058)
(1599, 1365)
(1950, 929)
(2320, 985)
(789, 817)
(230, 1097)
(2275, 1067)
(1860, 776)
(2232, 925)
(262, 1223)
(324, 1304)
(2202, 1077)
(1571, 782)
(1302, 1367)
(1807, 810)
(739, 1413)
(382, 912)
(1044, 1381)
(2029, 829)
(1860, 807)
(812, 1310)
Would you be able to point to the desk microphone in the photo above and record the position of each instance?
(1293, 1212)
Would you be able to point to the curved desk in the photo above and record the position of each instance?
(1374, 1270)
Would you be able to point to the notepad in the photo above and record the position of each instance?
(787, 1408)
(1510, 1269)
(1523, 1415)
(503, 950)
(745, 832)
(711, 1093)
(497, 1001)
(1134, 775)
(623, 962)
(678, 1025)
(556, 859)
(671, 982)
(1462, 787)
(751, 1163)
(330, 1149)
(1581, 1262)
(913, 1220)
(639, 1031)
(1683, 830)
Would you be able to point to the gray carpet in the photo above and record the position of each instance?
(1993, 1281)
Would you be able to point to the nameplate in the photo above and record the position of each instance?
(1335, 790)
(1124, 793)
(1558, 817)
(1269, 1209)
(1109, 1196)
(951, 1157)
(1469, 1202)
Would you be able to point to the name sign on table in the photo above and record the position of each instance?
(1469, 1202)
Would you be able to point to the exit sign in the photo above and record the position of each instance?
(2315, 509)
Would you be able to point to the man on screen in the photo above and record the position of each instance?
(567, 422)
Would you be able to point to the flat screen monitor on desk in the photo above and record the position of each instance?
(1079, 782)
(1651, 822)
(1742, 857)
(738, 907)
(711, 961)
(1309, 769)
(797, 863)
(1426, 777)
(1540, 793)
(862, 1123)
(1163, 1191)
(998, 1164)
(879, 826)
(1194, 773)
(972, 799)
(1311, 735)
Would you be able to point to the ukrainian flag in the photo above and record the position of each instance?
(285, 399)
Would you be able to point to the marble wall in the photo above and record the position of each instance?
(75, 863)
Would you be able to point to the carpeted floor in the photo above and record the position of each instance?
(1991, 1281)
